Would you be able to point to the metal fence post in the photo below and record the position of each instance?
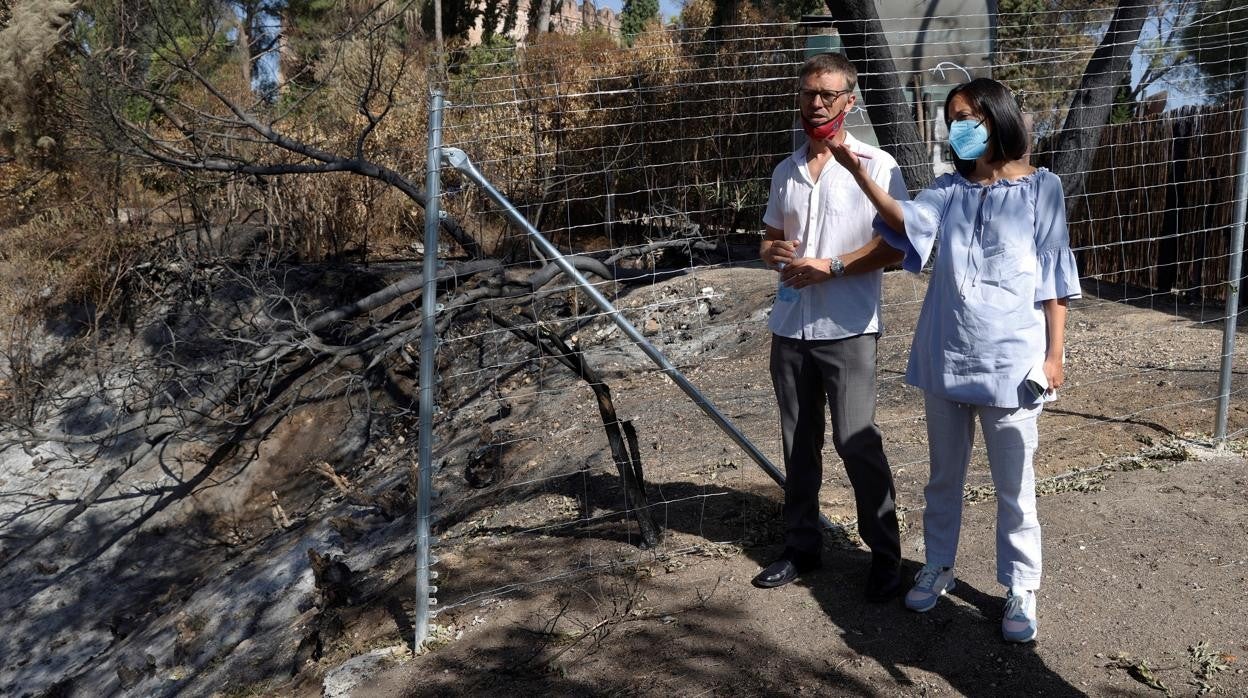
(428, 345)
(1234, 272)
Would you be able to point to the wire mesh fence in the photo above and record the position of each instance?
(649, 166)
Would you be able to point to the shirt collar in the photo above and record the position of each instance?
(799, 155)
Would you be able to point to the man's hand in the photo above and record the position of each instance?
(806, 272)
(844, 155)
(777, 252)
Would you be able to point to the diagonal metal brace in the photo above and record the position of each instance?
(458, 159)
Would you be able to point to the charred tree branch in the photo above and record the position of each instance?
(627, 462)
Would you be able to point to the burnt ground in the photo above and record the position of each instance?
(1146, 559)
(543, 586)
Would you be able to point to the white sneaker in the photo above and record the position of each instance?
(1019, 622)
(930, 584)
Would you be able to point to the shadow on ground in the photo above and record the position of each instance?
(598, 634)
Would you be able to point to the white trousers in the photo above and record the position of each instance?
(1011, 436)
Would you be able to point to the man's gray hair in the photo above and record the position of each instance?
(830, 63)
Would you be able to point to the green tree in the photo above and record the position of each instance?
(635, 15)
(1161, 52)
(1125, 107)
(1214, 35)
(1092, 103)
(1029, 34)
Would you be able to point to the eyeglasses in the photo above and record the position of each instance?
(827, 97)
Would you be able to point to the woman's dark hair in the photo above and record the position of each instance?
(1009, 139)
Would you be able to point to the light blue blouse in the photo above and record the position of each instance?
(1003, 249)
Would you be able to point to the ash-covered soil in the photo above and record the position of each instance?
(1146, 559)
(543, 585)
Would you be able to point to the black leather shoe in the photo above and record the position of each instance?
(883, 581)
(787, 568)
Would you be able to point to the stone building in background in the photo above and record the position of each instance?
(569, 17)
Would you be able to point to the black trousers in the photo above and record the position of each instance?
(839, 375)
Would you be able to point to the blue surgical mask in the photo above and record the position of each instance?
(968, 138)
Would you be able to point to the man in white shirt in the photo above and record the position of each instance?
(825, 324)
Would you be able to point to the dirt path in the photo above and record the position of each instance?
(1146, 552)
(1151, 565)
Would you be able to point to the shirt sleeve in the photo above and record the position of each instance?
(774, 215)
(1059, 275)
(891, 180)
(922, 220)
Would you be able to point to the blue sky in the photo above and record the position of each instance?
(666, 7)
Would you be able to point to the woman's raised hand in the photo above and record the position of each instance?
(844, 155)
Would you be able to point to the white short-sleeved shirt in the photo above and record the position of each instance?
(829, 218)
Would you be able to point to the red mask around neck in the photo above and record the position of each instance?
(826, 130)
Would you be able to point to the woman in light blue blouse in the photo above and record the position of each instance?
(988, 345)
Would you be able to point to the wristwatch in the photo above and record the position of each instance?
(836, 266)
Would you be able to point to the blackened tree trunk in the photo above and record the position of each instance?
(621, 434)
(867, 48)
(1089, 110)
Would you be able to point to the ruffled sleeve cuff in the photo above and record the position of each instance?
(1059, 277)
(920, 236)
